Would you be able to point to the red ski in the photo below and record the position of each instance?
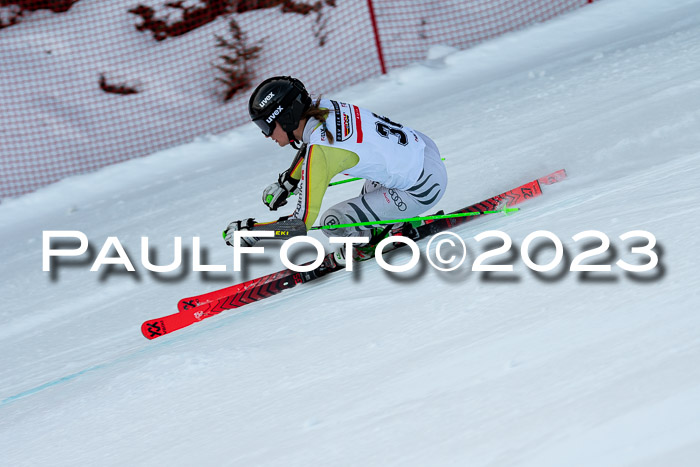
(248, 292)
(197, 308)
(186, 304)
(513, 197)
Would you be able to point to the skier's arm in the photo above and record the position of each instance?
(294, 170)
(321, 164)
(318, 168)
(276, 194)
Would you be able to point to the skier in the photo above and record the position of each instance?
(403, 171)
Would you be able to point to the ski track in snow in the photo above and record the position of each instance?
(373, 368)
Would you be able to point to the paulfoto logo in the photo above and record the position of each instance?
(445, 251)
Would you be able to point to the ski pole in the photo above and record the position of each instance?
(340, 182)
(292, 227)
(414, 219)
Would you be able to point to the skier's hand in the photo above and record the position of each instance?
(245, 224)
(276, 194)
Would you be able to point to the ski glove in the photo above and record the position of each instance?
(245, 224)
(276, 194)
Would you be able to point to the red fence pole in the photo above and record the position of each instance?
(376, 36)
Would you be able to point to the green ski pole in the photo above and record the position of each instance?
(414, 219)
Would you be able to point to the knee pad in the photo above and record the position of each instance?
(335, 216)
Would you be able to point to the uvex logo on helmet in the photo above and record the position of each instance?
(274, 114)
(264, 102)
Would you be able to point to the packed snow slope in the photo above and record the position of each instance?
(373, 368)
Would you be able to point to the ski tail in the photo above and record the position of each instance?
(255, 290)
(161, 326)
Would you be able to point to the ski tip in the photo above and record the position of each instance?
(554, 177)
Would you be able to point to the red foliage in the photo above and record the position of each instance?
(288, 6)
(192, 18)
(116, 88)
(22, 6)
(236, 67)
(58, 6)
(196, 16)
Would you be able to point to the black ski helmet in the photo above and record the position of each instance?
(280, 99)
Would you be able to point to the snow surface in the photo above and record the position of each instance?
(374, 368)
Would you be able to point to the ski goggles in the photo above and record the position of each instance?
(267, 128)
